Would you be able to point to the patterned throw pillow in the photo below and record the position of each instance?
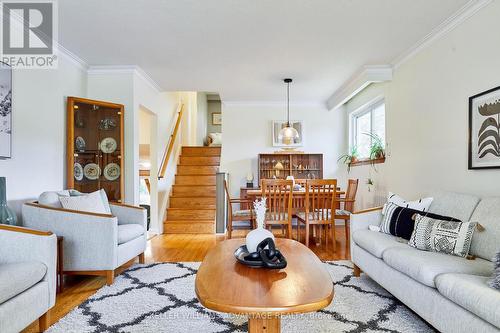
(420, 204)
(400, 221)
(495, 281)
(448, 237)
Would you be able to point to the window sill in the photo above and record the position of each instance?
(368, 161)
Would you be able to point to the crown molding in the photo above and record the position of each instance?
(464, 13)
(358, 82)
(126, 69)
(272, 104)
(71, 57)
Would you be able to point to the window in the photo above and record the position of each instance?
(366, 121)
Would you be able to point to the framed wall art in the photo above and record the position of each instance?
(217, 118)
(484, 130)
(5, 111)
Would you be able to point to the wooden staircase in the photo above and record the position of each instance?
(192, 203)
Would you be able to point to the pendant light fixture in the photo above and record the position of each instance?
(288, 134)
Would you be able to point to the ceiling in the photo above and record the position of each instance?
(242, 49)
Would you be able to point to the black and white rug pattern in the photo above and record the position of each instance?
(160, 297)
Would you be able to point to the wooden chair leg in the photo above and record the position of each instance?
(357, 271)
(110, 277)
(307, 234)
(142, 258)
(229, 227)
(44, 321)
(334, 237)
(347, 227)
(289, 230)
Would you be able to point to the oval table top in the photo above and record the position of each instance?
(225, 285)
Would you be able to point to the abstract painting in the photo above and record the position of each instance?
(5, 111)
(484, 130)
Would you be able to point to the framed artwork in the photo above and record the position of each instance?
(279, 124)
(5, 111)
(484, 130)
(216, 118)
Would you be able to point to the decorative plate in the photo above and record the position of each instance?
(107, 124)
(91, 171)
(108, 145)
(78, 171)
(80, 143)
(112, 171)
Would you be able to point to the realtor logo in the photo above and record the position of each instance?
(28, 34)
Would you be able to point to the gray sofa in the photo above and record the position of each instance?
(94, 244)
(27, 277)
(450, 293)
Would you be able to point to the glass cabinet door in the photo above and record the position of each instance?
(95, 147)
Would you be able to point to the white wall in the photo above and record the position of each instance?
(39, 130)
(201, 118)
(427, 112)
(248, 131)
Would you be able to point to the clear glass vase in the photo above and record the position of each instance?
(7, 216)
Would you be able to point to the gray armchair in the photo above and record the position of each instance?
(27, 277)
(94, 244)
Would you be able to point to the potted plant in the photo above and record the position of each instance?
(349, 158)
(377, 147)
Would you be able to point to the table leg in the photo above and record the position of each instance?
(264, 324)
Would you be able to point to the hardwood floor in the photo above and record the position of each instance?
(171, 248)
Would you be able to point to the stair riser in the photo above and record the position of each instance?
(196, 170)
(200, 151)
(195, 202)
(195, 180)
(190, 214)
(194, 160)
(194, 191)
(189, 228)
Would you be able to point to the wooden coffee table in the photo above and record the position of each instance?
(223, 284)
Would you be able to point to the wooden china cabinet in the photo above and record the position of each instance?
(95, 147)
(283, 164)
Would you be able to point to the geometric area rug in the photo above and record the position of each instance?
(160, 297)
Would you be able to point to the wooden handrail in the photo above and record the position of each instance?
(171, 141)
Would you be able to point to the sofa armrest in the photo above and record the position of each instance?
(21, 244)
(128, 214)
(90, 240)
(363, 218)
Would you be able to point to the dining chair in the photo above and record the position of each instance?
(278, 194)
(347, 206)
(320, 203)
(238, 215)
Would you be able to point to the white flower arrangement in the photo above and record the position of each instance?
(260, 211)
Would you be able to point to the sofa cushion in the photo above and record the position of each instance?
(51, 198)
(91, 202)
(457, 205)
(376, 242)
(18, 277)
(486, 243)
(426, 266)
(127, 232)
(472, 293)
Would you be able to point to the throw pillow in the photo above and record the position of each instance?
(51, 198)
(495, 282)
(420, 204)
(91, 202)
(400, 221)
(102, 193)
(448, 237)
